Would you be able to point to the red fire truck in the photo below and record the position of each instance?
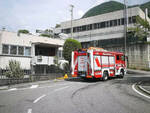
(97, 63)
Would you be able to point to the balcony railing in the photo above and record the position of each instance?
(43, 60)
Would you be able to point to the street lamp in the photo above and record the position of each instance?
(125, 26)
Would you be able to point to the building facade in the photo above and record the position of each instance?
(33, 52)
(107, 30)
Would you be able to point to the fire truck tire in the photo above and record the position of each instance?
(105, 76)
(122, 74)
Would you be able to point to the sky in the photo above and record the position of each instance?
(44, 14)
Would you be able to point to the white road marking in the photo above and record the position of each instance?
(12, 89)
(29, 111)
(15, 89)
(35, 101)
(133, 87)
(144, 89)
(61, 88)
(39, 98)
(34, 86)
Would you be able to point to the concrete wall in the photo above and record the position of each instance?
(138, 55)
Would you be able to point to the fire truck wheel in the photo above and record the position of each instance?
(122, 74)
(105, 76)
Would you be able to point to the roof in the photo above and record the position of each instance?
(26, 39)
(111, 6)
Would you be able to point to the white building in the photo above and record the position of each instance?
(102, 27)
(33, 52)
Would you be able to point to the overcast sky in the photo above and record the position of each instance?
(44, 14)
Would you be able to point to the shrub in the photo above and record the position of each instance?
(24, 31)
(55, 69)
(14, 70)
(66, 68)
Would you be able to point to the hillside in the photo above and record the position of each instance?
(146, 5)
(110, 7)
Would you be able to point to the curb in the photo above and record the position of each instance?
(136, 88)
(3, 87)
(24, 85)
(144, 90)
(131, 71)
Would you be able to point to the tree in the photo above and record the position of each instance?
(141, 29)
(14, 70)
(57, 26)
(69, 46)
(24, 31)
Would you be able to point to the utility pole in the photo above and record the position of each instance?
(72, 6)
(125, 26)
(146, 13)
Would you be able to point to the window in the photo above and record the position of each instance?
(95, 26)
(84, 28)
(99, 25)
(111, 60)
(5, 49)
(89, 27)
(115, 22)
(123, 58)
(122, 21)
(20, 50)
(118, 21)
(130, 20)
(103, 25)
(27, 51)
(74, 29)
(107, 24)
(134, 19)
(68, 30)
(105, 60)
(117, 57)
(78, 29)
(62, 30)
(111, 23)
(13, 50)
(60, 54)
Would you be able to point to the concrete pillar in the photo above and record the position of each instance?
(45, 70)
(33, 58)
(32, 50)
(1, 42)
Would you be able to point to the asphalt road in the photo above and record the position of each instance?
(77, 96)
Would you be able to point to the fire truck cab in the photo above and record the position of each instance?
(97, 63)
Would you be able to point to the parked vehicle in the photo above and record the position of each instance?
(98, 63)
